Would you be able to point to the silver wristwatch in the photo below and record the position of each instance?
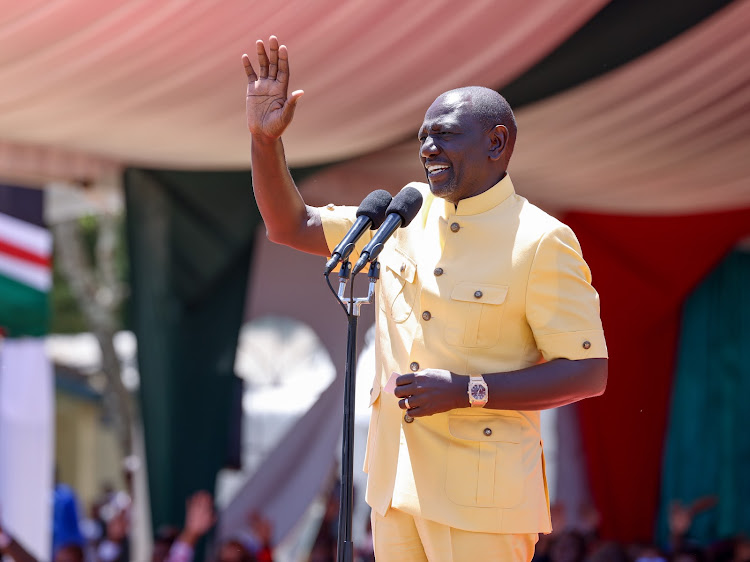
(478, 392)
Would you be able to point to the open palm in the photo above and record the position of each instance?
(269, 109)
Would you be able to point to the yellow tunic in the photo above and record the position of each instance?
(493, 285)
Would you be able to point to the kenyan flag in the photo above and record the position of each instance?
(25, 263)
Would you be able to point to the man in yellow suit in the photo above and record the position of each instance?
(486, 315)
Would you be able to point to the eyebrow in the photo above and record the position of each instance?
(449, 124)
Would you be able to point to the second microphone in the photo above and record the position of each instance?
(400, 213)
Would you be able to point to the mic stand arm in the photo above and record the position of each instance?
(373, 275)
(345, 550)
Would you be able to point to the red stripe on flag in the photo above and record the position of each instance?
(16, 252)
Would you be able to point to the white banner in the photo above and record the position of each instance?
(27, 443)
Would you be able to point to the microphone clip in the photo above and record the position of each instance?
(353, 307)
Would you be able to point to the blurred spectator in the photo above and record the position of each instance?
(199, 518)
(562, 543)
(164, 538)
(65, 519)
(326, 541)
(115, 546)
(234, 551)
(263, 532)
(693, 554)
(251, 548)
(607, 552)
(11, 548)
(568, 546)
(742, 550)
(69, 553)
(681, 519)
(649, 553)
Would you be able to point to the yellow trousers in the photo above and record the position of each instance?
(400, 537)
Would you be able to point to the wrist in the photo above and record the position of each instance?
(262, 140)
(459, 391)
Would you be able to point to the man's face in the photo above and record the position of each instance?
(454, 149)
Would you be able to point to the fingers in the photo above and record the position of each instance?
(251, 76)
(296, 94)
(404, 390)
(405, 385)
(408, 403)
(291, 104)
(408, 378)
(283, 70)
(262, 58)
(411, 406)
(273, 53)
(273, 65)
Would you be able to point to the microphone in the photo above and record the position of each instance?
(400, 212)
(371, 213)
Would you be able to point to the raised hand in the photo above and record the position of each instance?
(199, 517)
(261, 527)
(269, 109)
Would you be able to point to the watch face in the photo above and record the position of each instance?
(478, 392)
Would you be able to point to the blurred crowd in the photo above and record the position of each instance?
(583, 544)
(104, 535)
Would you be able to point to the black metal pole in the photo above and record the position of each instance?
(345, 544)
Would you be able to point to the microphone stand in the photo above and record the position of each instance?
(345, 546)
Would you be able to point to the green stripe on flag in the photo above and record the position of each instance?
(24, 311)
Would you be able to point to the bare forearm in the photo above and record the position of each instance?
(284, 212)
(548, 385)
(540, 387)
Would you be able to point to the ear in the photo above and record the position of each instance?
(498, 141)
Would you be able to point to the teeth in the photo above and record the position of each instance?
(434, 168)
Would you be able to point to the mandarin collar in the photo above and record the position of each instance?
(485, 200)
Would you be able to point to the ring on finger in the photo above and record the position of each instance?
(406, 403)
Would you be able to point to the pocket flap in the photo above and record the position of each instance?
(479, 292)
(485, 428)
(402, 265)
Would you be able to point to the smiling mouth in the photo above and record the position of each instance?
(436, 169)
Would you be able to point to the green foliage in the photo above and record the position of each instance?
(66, 316)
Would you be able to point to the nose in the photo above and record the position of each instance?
(427, 147)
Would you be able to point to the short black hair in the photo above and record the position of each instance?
(491, 109)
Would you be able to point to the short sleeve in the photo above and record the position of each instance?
(562, 306)
(336, 221)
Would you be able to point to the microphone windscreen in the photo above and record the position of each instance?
(374, 206)
(407, 204)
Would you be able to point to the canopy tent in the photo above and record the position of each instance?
(137, 85)
(89, 89)
(164, 81)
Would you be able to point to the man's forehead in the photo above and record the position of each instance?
(453, 98)
(451, 107)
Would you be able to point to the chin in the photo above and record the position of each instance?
(442, 190)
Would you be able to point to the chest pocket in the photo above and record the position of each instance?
(398, 276)
(476, 313)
